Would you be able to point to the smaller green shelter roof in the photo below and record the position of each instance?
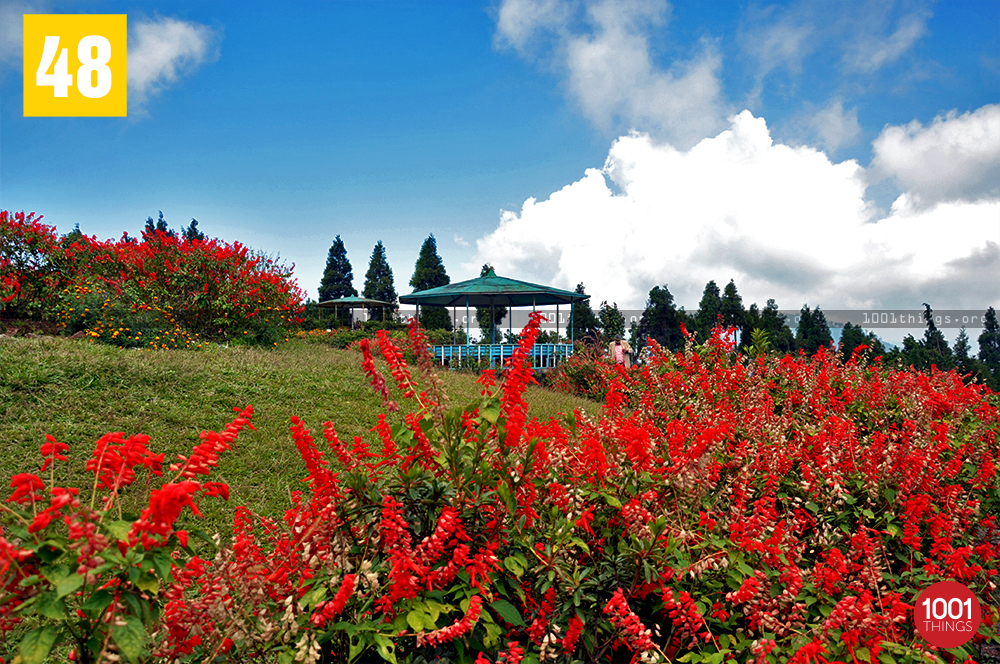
(492, 290)
(353, 303)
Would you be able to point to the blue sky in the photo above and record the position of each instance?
(814, 152)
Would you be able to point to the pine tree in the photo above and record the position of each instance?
(989, 349)
(778, 333)
(192, 234)
(661, 320)
(989, 341)
(933, 338)
(850, 338)
(159, 225)
(813, 331)
(582, 323)
(961, 351)
(486, 325)
(732, 312)
(428, 273)
(708, 311)
(338, 278)
(379, 282)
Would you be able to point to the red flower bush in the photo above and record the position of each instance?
(159, 291)
(719, 508)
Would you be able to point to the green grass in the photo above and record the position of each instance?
(77, 391)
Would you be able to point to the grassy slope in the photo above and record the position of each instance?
(78, 391)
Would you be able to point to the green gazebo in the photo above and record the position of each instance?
(493, 291)
(355, 303)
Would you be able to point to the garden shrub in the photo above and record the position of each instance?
(584, 373)
(209, 289)
(29, 275)
(720, 508)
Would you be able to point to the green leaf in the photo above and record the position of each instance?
(415, 619)
(357, 647)
(162, 563)
(491, 413)
(514, 565)
(507, 612)
(863, 654)
(50, 606)
(120, 529)
(493, 632)
(812, 507)
(868, 513)
(48, 552)
(435, 609)
(613, 501)
(99, 601)
(148, 583)
(386, 648)
(130, 637)
(36, 644)
(69, 584)
(507, 497)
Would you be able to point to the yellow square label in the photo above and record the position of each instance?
(75, 65)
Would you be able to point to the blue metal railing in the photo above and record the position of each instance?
(542, 355)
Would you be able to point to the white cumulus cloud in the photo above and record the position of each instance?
(164, 49)
(784, 222)
(609, 67)
(954, 158)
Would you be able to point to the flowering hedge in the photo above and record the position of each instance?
(780, 510)
(154, 292)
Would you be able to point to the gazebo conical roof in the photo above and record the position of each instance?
(353, 303)
(492, 290)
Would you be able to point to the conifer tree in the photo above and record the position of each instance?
(428, 273)
(192, 234)
(772, 322)
(158, 225)
(661, 320)
(850, 338)
(486, 322)
(813, 331)
(708, 311)
(582, 323)
(379, 282)
(934, 340)
(989, 348)
(989, 341)
(338, 277)
(732, 312)
(961, 351)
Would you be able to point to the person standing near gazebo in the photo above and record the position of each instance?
(620, 352)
